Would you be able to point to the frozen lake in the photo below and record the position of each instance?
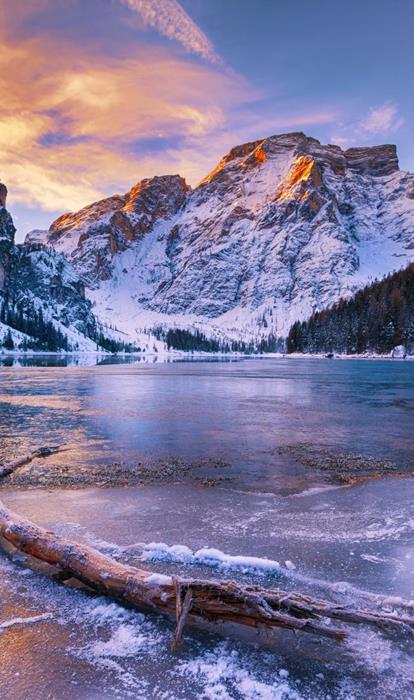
(349, 543)
(241, 412)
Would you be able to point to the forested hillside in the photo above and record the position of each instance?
(35, 332)
(182, 339)
(376, 319)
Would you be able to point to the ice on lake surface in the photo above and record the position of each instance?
(239, 412)
(344, 544)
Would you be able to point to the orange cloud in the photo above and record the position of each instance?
(68, 127)
(76, 120)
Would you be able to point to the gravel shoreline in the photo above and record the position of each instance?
(343, 468)
(43, 473)
(330, 467)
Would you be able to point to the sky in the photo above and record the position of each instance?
(99, 94)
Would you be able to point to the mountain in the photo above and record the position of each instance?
(378, 319)
(42, 297)
(282, 227)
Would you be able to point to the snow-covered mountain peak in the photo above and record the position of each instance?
(274, 167)
(281, 227)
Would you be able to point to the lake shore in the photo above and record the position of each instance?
(326, 468)
(9, 358)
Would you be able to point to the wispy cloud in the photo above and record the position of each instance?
(81, 121)
(171, 20)
(381, 121)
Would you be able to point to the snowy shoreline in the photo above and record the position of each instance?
(167, 355)
(364, 356)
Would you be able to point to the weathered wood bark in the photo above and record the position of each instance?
(209, 600)
(10, 467)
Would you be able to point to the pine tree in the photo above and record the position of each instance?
(8, 341)
(376, 319)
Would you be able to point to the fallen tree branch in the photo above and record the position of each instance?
(10, 467)
(182, 608)
(215, 601)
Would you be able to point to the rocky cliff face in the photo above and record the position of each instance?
(94, 235)
(283, 226)
(33, 278)
(7, 232)
(40, 278)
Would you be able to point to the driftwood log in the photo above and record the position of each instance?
(215, 601)
(10, 467)
(223, 601)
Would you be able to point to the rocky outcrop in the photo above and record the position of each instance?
(95, 234)
(281, 227)
(399, 352)
(7, 231)
(376, 161)
(33, 277)
(3, 195)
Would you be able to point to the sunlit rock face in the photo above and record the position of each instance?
(94, 235)
(281, 227)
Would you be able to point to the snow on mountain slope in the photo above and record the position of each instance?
(94, 235)
(17, 337)
(283, 226)
(38, 286)
(43, 303)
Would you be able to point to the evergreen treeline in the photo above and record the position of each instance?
(180, 339)
(376, 319)
(113, 346)
(188, 341)
(44, 335)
